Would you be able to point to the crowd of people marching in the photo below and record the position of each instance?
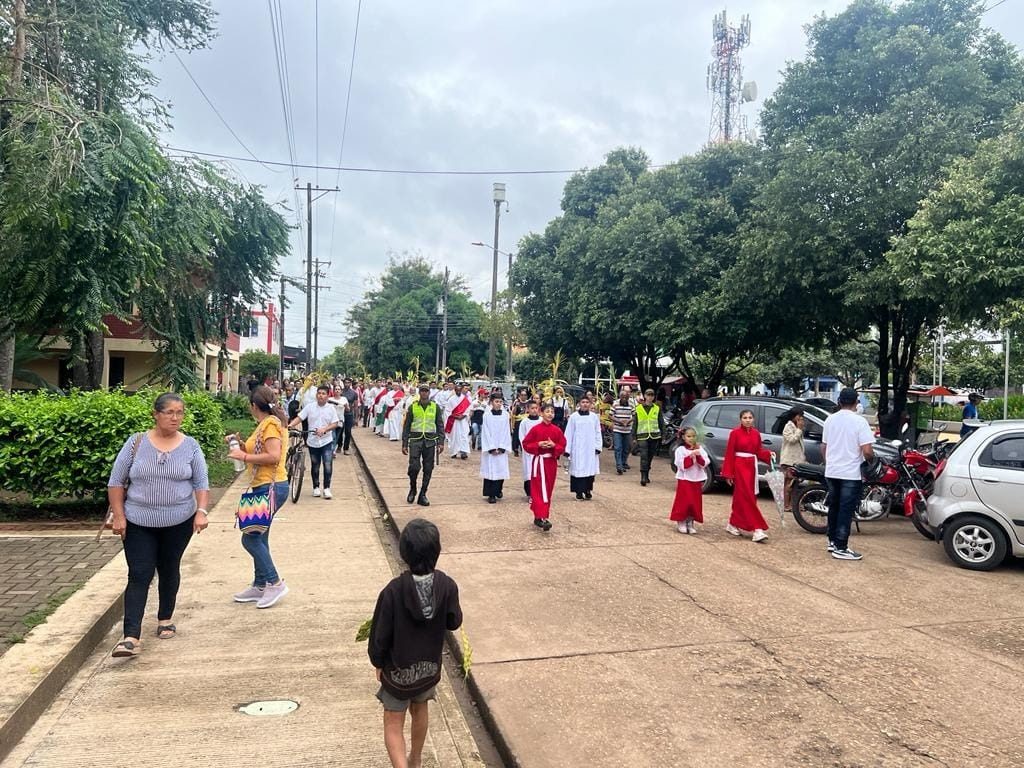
(530, 435)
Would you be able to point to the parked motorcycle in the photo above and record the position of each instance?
(895, 483)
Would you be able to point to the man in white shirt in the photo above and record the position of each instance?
(369, 394)
(846, 441)
(322, 418)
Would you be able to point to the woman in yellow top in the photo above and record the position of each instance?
(265, 453)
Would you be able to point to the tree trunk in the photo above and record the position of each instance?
(18, 51)
(94, 359)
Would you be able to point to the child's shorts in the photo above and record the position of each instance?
(394, 704)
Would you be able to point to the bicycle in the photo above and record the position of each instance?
(295, 462)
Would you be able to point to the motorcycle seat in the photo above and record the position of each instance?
(810, 471)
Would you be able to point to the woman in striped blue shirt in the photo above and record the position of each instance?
(158, 489)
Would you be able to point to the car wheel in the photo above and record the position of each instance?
(975, 542)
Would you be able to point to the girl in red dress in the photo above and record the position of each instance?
(688, 507)
(545, 442)
(740, 471)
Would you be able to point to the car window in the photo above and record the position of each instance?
(774, 419)
(727, 416)
(1005, 452)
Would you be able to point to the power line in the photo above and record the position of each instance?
(990, 7)
(344, 122)
(281, 60)
(219, 115)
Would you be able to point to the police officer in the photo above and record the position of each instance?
(648, 422)
(422, 432)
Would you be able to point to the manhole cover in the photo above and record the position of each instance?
(269, 708)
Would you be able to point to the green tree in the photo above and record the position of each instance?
(399, 321)
(642, 265)
(257, 363)
(344, 359)
(873, 117)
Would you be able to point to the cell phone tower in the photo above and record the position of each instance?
(725, 81)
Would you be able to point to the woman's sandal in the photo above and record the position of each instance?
(166, 631)
(125, 649)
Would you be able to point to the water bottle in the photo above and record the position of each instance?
(232, 445)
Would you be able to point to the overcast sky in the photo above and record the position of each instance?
(462, 85)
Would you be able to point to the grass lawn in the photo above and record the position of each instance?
(243, 427)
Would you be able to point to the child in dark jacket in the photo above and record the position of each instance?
(413, 613)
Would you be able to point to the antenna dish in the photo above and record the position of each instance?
(750, 91)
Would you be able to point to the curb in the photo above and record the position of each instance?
(452, 640)
(35, 672)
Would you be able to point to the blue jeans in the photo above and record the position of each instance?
(843, 500)
(622, 441)
(323, 455)
(258, 544)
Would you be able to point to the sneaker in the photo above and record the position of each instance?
(831, 546)
(691, 527)
(249, 595)
(759, 535)
(272, 594)
(681, 527)
(327, 493)
(316, 493)
(846, 554)
(732, 530)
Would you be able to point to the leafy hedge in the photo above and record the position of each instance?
(233, 405)
(64, 445)
(988, 410)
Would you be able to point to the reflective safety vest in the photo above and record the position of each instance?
(647, 422)
(424, 420)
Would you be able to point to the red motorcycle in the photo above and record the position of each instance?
(897, 481)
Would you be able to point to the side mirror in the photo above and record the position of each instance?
(897, 443)
(906, 427)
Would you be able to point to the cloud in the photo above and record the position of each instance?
(497, 86)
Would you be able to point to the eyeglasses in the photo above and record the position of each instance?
(173, 414)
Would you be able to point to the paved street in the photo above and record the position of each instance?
(176, 704)
(615, 641)
(38, 568)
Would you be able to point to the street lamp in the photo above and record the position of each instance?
(508, 362)
(499, 198)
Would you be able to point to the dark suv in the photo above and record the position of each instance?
(716, 417)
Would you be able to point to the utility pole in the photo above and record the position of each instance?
(310, 189)
(317, 274)
(499, 198)
(280, 329)
(444, 321)
(508, 364)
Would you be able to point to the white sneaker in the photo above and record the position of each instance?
(759, 535)
(271, 594)
(691, 527)
(732, 530)
(327, 493)
(316, 493)
(681, 527)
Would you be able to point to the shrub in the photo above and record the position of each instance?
(993, 409)
(233, 405)
(64, 445)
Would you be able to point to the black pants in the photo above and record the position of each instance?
(149, 551)
(493, 487)
(421, 452)
(515, 439)
(581, 484)
(366, 416)
(346, 432)
(648, 450)
(324, 455)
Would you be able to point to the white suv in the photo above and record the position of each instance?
(977, 505)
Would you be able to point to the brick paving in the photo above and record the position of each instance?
(37, 567)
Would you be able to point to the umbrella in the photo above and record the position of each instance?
(777, 484)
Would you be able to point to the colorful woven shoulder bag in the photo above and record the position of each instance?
(256, 508)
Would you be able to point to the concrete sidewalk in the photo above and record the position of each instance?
(177, 703)
(615, 641)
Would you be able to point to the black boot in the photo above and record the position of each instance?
(644, 477)
(412, 493)
(422, 500)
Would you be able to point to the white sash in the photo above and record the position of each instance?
(742, 455)
(538, 471)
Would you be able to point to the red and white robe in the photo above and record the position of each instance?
(544, 471)
(741, 454)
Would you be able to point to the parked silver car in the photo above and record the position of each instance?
(977, 504)
(717, 416)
